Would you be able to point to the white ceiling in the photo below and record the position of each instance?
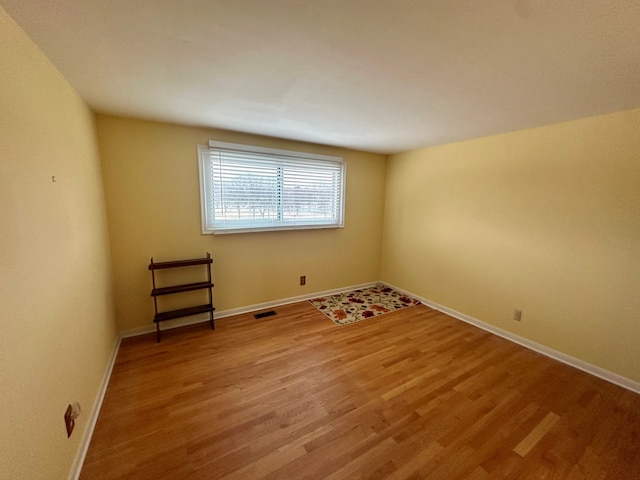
(376, 75)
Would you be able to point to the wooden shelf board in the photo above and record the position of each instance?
(180, 263)
(183, 312)
(187, 287)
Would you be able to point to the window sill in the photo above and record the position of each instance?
(226, 231)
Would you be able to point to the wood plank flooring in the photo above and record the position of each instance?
(413, 394)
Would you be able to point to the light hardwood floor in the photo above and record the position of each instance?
(408, 395)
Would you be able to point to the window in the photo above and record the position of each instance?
(247, 189)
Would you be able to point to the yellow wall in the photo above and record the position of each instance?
(56, 323)
(544, 220)
(151, 184)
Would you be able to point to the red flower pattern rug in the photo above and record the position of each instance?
(349, 307)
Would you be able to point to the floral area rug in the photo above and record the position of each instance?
(350, 307)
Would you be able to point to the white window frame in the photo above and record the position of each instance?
(289, 156)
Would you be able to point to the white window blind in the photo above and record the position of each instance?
(246, 188)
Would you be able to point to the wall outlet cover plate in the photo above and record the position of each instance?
(69, 421)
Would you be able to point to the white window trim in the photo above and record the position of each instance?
(203, 156)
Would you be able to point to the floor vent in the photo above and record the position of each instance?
(265, 314)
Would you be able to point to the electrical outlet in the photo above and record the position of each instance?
(517, 315)
(70, 415)
(69, 421)
(303, 279)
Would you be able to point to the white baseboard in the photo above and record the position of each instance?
(81, 453)
(537, 347)
(133, 332)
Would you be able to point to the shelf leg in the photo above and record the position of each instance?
(158, 332)
(213, 327)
